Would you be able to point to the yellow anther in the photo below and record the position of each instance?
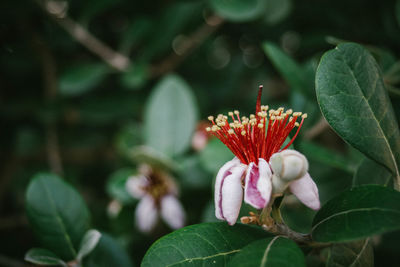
(208, 129)
(220, 124)
(273, 117)
(210, 118)
(260, 125)
(296, 124)
(236, 112)
(214, 128)
(230, 113)
(243, 132)
(304, 115)
(230, 131)
(289, 111)
(259, 114)
(276, 113)
(232, 125)
(297, 114)
(252, 116)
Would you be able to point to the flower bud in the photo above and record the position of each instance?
(289, 165)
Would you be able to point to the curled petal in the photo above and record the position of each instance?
(135, 186)
(172, 212)
(228, 191)
(222, 173)
(146, 214)
(289, 164)
(258, 184)
(306, 191)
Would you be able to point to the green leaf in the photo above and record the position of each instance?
(170, 116)
(82, 78)
(326, 156)
(370, 172)
(214, 155)
(237, 10)
(289, 69)
(88, 243)
(358, 213)
(201, 245)
(57, 213)
(108, 253)
(275, 251)
(115, 186)
(354, 101)
(355, 254)
(43, 256)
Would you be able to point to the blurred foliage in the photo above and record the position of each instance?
(66, 107)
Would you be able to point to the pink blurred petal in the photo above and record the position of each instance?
(258, 184)
(146, 214)
(135, 186)
(306, 191)
(172, 212)
(222, 174)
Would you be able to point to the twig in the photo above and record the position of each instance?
(317, 129)
(49, 72)
(187, 46)
(56, 10)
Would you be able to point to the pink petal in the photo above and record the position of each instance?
(135, 186)
(146, 214)
(172, 212)
(289, 164)
(258, 185)
(222, 174)
(306, 191)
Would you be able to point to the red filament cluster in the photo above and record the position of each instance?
(259, 135)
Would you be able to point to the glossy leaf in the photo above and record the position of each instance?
(88, 243)
(44, 257)
(276, 251)
(358, 213)
(354, 101)
(355, 254)
(237, 10)
(370, 172)
(57, 214)
(135, 77)
(201, 245)
(289, 69)
(170, 116)
(108, 253)
(80, 79)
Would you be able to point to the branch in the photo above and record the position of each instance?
(317, 129)
(187, 46)
(57, 10)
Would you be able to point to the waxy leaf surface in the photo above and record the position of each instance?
(355, 254)
(57, 214)
(201, 245)
(275, 251)
(354, 101)
(358, 213)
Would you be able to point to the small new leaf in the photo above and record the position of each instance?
(88, 243)
(43, 256)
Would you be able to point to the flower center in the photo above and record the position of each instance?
(259, 135)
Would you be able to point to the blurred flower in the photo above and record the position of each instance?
(157, 193)
(200, 137)
(261, 166)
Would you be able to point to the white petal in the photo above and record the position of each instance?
(172, 212)
(264, 184)
(135, 184)
(289, 164)
(222, 173)
(306, 191)
(232, 194)
(146, 214)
